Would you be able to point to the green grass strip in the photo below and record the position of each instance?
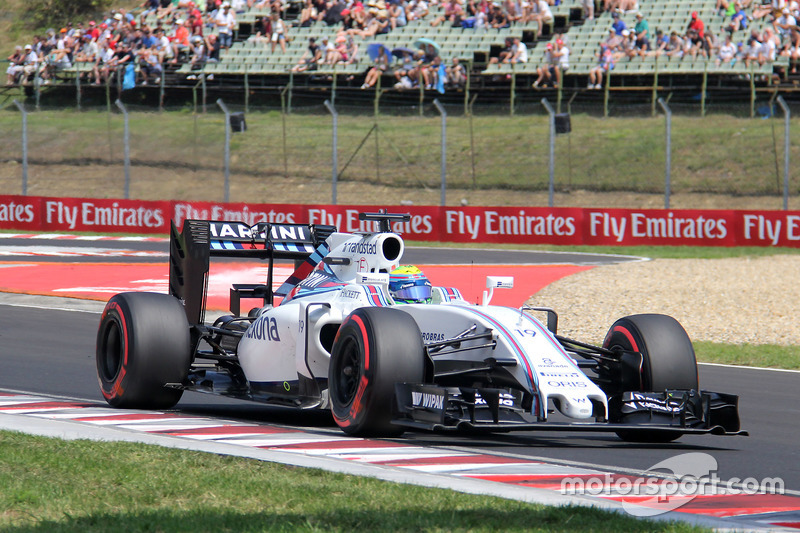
(51, 485)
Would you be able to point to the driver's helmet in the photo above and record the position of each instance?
(408, 285)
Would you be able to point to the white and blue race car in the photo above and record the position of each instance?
(333, 336)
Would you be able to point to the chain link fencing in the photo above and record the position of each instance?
(725, 159)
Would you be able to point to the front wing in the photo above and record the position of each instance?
(441, 409)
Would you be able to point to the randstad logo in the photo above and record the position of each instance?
(669, 485)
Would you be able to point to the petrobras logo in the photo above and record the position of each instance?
(432, 336)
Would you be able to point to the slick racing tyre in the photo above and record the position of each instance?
(143, 343)
(375, 348)
(668, 360)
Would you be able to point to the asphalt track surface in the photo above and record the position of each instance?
(45, 249)
(48, 350)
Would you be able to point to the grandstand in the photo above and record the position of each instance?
(250, 62)
(476, 46)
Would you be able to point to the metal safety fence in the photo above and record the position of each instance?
(339, 152)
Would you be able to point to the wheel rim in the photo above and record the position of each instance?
(348, 372)
(111, 351)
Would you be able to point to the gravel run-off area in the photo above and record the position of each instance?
(748, 300)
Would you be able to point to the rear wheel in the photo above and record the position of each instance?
(668, 360)
(143, 343)
(375, 348)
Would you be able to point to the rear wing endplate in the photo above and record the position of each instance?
(191, 249)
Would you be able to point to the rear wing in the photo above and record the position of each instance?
(191, 249)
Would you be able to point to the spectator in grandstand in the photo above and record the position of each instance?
(379, 66)
(769, 47)
(180, 39)
(338, 53)
(642, 33)
(196, 23)
(163, 45)
(88, 50)
(279, 31)
(150, 67)
(198, 53)
(397, 14)
(588, 9)
(308, 15)
(377, 23)
(119, 59)
(727, 52)
(785, 25)
(774, 7)
(794, 56)
(605, 62)
(477, 12)
(430, 73)
(629, 49)
(456, 74)
(540, 14)
(164, 9)
(676, 46)
(520, 50)
(711, 45)
(149, 6)
(498, 18)
(417, 10)
(614, 43)
(213, 48)
(352, 51)
(15, 63)
(453, 13)
(60, 59)
(505, 53)
(101, 66)
(225, 21)
(409, 73)
(738, 19)
(547, 71)
(263, 30)
(618, 24)
(752, 53)
(695, 30)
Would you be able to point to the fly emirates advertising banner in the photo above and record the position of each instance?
(509, 225)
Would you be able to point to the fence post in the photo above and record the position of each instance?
(78, 85)
(283, 134)
(786, 116)
(224, 108)
(24, 147)
(127, 145)
(668, 156)
(334, 150)
(513, 95)
(551, 164)
(443, 112)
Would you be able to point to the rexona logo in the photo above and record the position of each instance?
(427, 400)
(264, 329)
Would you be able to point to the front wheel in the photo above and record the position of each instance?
(668, 360)
(375, 348)
(143, 343)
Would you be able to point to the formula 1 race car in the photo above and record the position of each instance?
(339, 339)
